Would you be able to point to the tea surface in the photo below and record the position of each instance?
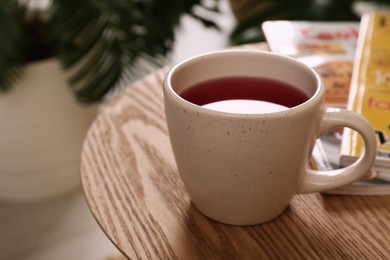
(244, 88)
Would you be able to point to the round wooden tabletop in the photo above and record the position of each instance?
(134, 191)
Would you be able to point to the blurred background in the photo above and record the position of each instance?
(101, 47)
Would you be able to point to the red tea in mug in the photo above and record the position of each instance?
(241, 88)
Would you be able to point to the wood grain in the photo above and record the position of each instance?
(134, 191)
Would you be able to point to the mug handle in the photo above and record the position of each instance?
(317, 181)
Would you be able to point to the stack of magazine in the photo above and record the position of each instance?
(353, 59)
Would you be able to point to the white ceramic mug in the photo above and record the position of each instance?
(244, 169)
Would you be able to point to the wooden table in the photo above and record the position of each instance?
(134, 191)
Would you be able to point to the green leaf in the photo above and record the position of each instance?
(12, 45)
(99, 41)
(111, 42)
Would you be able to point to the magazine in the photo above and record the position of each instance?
(329, 48)
(370, 93)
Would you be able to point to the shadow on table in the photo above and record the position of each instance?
(354, 203)
(287, 236)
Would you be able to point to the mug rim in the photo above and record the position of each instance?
(314, 98)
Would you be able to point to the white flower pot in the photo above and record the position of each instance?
(42, 128)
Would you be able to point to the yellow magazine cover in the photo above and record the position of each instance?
(370, 93)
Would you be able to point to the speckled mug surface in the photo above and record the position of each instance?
(243, 169)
